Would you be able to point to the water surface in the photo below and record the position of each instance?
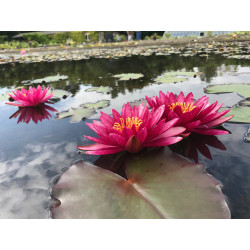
(33, 155)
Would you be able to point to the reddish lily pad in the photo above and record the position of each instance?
(160, 185)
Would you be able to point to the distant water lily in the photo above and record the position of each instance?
(131, 131)
(199, 117)
(34, 114)
(31, 97)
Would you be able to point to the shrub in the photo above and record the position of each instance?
(60, 38)
(167, 35)
(38, 37)
(78, 36)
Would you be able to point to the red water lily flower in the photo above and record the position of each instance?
(35, 114)
(199, 117)
(31, 97)
(131, 131)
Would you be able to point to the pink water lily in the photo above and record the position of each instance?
(31, 97)
(199, 117)
(131, 131)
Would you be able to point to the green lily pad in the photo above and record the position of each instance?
(59, 93)
(96, 105)
(100, 89)
(241, 114)
(241, 89)
(173, 77)
(128, 76)
(138, 102)
(160, 185)
(47, 79)
(76, 114)
(246, 102)
(5, 97)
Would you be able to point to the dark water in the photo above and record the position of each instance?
(33, 155)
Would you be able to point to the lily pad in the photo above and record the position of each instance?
(128, 76)
(241, 89)
(100, 89)
(241, 114)
(47, 79)
(5, 97)
(246, 102)
(59, 93)
(138, 102)
(76, 114)
(160, 184)
(96, 105)
(173, 77)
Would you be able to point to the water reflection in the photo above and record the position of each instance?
(36, 114)
(194, 143)
(26, 176)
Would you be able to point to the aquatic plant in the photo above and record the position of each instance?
(31, 97)
(131, 131)
(199, 117)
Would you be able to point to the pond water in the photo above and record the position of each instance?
(33, 155)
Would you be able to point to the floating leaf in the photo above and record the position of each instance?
(173, 77)
(241, 114)
(5, 97)
(246, 102)
(138, 102)
(100, 89)
(128, 76)
(96, 105)
(47, 79)
(59, 93)
(77, 114)
(160, 185)
(241, 89)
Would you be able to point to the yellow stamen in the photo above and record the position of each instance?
(129, 123)
(185, 106)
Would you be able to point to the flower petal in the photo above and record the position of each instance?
(163, 142)
(219, 121)
(104, 151)
(118, 139)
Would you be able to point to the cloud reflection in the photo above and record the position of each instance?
(26, 176)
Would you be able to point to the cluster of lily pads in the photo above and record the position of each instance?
(239, 50)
